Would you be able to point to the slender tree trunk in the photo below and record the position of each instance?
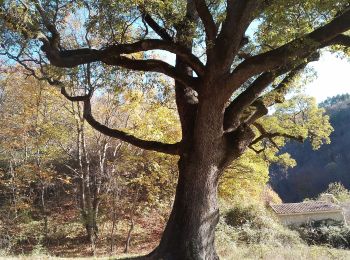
(13, 187)
(128, 238)
(44, 212)
(114, 224)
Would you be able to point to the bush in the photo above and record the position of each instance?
(239, 215)
(253, 224)
(338, 191)
(325, 232)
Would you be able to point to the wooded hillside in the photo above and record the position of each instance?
(315, 170)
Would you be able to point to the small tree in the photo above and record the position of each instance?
(338, 191)
(222, 77)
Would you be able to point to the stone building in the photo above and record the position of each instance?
(303, 212)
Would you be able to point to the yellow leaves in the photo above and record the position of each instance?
(245, 178)
(64, 179)
(23, 205)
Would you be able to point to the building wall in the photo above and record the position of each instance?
(299, 219)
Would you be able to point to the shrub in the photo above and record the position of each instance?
(253, 224)
(325, 232)
(239, 215)
(338, 191)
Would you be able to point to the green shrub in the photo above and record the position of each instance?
(239, 215)
(325, 232)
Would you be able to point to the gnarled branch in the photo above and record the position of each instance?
(72, 58)
(173, 149)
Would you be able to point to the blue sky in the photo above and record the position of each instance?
(333, 77)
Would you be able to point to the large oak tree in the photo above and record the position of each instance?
(233, 60)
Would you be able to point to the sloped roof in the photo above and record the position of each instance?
(305, 207)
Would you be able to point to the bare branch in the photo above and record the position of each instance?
(173, 149)
(152, 65)
(112, 55)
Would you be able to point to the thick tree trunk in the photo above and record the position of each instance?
(190, 231)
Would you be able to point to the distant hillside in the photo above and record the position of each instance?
(316, 169)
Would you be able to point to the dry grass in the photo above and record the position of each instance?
(251, 252)
(301, 252)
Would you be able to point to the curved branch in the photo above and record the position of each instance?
(341, 39)
(207, 19)
(76, 98)
(294, 50)
(173, 149)
(153, 44)
(249, 105)
(72, 58)
(69, 59)
(265, 134)
(154, 66)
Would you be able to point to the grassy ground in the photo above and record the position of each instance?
(244, 252)
(282, 253)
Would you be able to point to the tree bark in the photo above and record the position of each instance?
(190, 231)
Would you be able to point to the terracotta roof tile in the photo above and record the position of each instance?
(304, 207)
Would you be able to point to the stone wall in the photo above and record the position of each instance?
(298, 219)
